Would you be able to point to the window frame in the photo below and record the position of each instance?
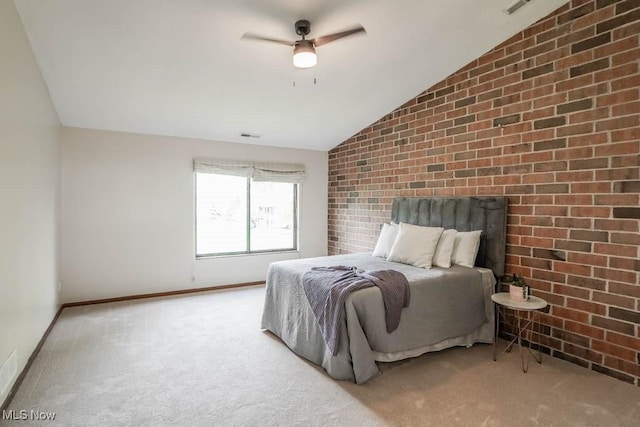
(247, 223)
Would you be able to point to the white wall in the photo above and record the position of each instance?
(29, 182)
(128, 214)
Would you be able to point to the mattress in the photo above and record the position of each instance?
(449, 307)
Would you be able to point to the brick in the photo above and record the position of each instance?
(615, 275)
(591, 43)
(456, 130)
(612, 324)
(591, 236)
(604, 3)
(555, 32)
(572, 359)
(463, 173)
(549, 166)
(615, 300)
(547, 275)
(464, 102)
(614, 350)
(624, 315)
(626, 213)
(618, 21)
(506, 100)
(508, 60)
(619, 200)
(617, 149)
(632, 81)
(585, 330)
(576, 35)
(589, 164)
(579, 129)
(586, 282)
(550, 122)
(464, 120)
(582, 104)
(617, 98)
(625, 238)
(574, 84)
(618, 123)
(573, 245)
(626, 109)
(539, 49)
(626, 6)
(575, 13)
(550, 144)
(570, 337)
(624, 263)
(618, 375)
(588, 91)
(551, 210)
(537, 71)
(589, 67)
(587, 259)
(616, 224)
(506, 120)
(574, 176)
(552, 188)
(627, 187)
(624, 289)
(572, 223)
(587, 306)
(445, 91)
(588, 117)
(593, 188)
(566, 313)
(581, 270)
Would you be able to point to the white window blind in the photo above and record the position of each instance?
(260, 172)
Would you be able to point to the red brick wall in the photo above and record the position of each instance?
(550, 118)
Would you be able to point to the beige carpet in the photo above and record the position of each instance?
(202, 360)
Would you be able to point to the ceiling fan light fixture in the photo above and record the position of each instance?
(304, 54)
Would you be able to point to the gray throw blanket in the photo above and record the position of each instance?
(328, 287)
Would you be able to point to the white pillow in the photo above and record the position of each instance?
(444, 249)
(465, 248)
(385, 240)
(415, 245)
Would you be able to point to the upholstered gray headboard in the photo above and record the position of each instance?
(488, 214)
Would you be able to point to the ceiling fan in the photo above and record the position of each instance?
(304, 51)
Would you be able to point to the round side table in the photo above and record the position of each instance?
(524, 327)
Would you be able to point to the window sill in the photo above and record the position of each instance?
(252, 254)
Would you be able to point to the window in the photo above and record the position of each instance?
(241, 211)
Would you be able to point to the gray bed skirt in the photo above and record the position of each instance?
(449, 307)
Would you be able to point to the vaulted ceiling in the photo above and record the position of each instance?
(181, 67)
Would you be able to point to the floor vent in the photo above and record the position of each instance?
(8, 372)
(516, 6)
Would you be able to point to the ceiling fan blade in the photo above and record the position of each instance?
(250, 36)
(319, 41)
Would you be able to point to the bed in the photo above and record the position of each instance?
(449, 307)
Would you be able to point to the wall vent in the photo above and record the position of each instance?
(250, 135)
(8, 372)
(516, 6)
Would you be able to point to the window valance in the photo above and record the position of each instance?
(273, 172)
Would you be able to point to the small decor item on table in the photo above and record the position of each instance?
(518, 289)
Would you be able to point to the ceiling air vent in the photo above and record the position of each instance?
(516, 6)
(250, 135)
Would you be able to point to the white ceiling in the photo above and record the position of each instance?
(180, 67)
